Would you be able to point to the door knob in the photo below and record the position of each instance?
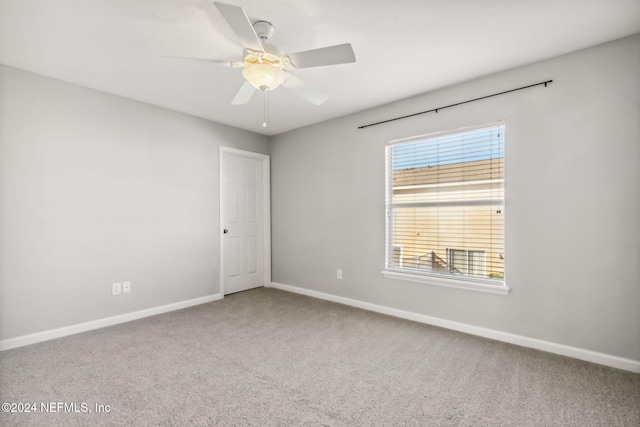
(225, 231)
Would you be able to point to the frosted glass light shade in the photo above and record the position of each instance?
(263, 76)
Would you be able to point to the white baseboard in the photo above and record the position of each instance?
(561, 349)
(101, 323)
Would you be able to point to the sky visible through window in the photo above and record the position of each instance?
(480, 144)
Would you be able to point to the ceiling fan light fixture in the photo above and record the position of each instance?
(263, 77)
(265, 67)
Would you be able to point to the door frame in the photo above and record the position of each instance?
(266, 211)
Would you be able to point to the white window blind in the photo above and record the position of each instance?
(445, 205)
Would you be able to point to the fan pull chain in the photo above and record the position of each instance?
(266, 109)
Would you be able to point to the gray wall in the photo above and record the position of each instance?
(96, 189)
(572, 202)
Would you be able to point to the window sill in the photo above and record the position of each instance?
(449, 282)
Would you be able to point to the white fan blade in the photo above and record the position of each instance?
(244, 95)
(241, 25)
(210, 61)
(307, 92)
(330, 55)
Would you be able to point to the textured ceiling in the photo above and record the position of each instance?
(403, 47)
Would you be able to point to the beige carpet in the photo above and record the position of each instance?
(270, 358)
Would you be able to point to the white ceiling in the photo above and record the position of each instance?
(403, 47)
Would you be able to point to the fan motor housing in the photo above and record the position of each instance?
(271, 55)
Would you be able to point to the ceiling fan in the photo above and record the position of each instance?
(265, 67)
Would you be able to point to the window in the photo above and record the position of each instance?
(445, 209)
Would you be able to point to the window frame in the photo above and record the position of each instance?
(446, 279)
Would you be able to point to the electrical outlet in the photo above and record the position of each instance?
(116, 288)
(126, 287)
(339, 274)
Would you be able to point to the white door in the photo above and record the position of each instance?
(243, 220)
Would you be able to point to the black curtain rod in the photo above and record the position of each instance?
(456, 104)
